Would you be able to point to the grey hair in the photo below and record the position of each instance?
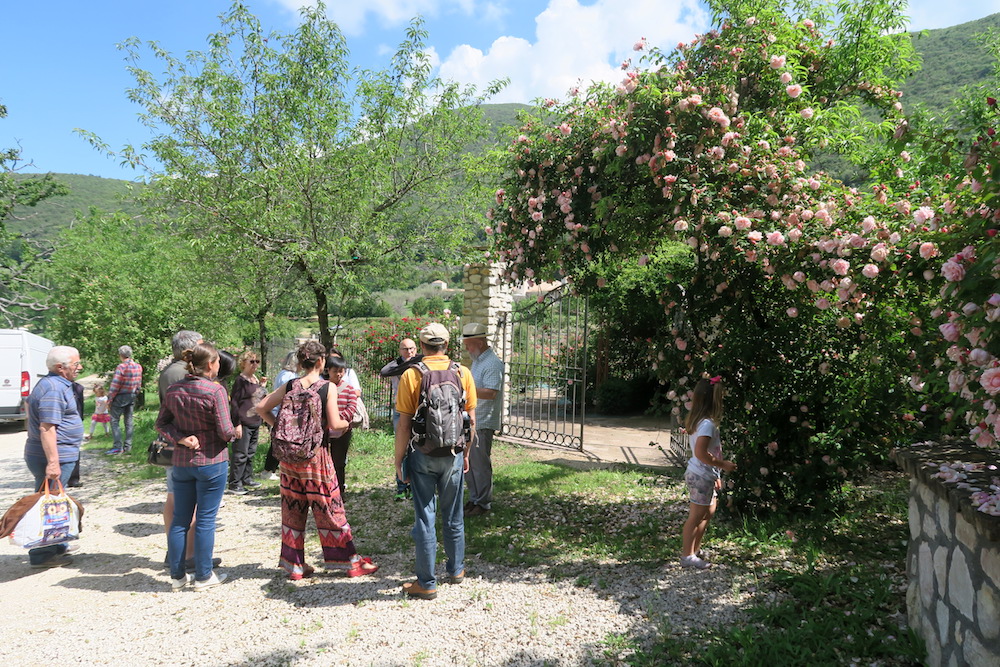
(291, 362)
(60, 354)
(184, 340)
(125, 351)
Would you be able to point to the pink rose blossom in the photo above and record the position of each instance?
(950, 331)
(537, 216)
(953, 271)
(794, 235)
(777, 62)
(806, 113)
(928, 250)
(990, 380)
(717, 115)
(786, 77)
(792, 312)
(725, 231)
(742, 222)
(681, 344)
(923, 214)
(775, 238)
(565, 128)
(879, 252)
(870, 271)
(680, 226)
(755, 236)
(840, 267)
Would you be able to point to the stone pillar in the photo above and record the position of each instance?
(489, 300)
(953, 558)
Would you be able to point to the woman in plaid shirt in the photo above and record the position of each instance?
(195, 417)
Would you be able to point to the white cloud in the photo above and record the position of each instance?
(352, 15)
(572, 43)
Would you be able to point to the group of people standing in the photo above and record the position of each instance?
(201, 418)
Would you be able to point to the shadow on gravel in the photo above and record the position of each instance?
(139, 529)
(143, 508)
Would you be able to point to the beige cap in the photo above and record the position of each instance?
(434, 334)
(474, 330)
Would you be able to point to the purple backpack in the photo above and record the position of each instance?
(298, 429)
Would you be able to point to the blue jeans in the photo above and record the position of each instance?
(36, 465)
(200, 486)
(122, 406)
(444, 475)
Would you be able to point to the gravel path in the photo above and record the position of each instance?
(114, 604)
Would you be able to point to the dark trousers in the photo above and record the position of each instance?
(241, 469)
(338, 452)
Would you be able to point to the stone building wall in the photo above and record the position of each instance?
(953, 559)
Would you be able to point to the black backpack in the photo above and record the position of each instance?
(441, 422)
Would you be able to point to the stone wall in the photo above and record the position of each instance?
(489, 300)
(953, 559)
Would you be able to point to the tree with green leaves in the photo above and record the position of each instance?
(123, 281)
(341, 173)
(23, 296)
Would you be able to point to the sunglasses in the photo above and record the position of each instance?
(253, 361)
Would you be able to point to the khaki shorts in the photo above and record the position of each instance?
(702, 488)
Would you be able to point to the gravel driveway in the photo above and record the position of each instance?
(114, 603)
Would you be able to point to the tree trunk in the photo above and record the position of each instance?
(322, 306)
(262, 339)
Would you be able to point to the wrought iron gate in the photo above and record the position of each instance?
(545, 347)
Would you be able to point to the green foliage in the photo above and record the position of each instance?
(126, 282)
(420, 306)
(457, 304)
(790, 285)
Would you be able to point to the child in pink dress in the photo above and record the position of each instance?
(101, 414)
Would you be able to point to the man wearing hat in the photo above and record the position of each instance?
(427, 473)
(487, 372)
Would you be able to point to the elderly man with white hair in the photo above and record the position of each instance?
(121, 397)
(55, 431)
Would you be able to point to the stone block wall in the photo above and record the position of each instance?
(489, 300)
(953, 559)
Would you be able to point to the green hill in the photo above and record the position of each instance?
(51, 215)
(952, 58)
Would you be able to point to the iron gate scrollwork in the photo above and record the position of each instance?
(545, 347)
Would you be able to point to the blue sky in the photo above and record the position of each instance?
(62, 69)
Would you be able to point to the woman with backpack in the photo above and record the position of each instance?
(308, 410)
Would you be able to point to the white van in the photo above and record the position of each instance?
(22, 364)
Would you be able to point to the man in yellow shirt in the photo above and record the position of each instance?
(440, 471)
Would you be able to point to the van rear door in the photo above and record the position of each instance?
(12, 353)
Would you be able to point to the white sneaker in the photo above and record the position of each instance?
(214, 580)
(694, 561)
(181, 584)
(270, 476)
(72, 547)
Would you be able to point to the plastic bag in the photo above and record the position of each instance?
(54, 518)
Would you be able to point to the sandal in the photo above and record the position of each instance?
(307, 571)
(361, 567)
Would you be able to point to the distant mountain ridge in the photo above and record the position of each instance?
(952, 58)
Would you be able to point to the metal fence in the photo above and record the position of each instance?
(375, 390)
(546, 349)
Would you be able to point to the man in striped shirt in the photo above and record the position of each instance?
(121, 397)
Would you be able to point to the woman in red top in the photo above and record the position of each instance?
(195, 417)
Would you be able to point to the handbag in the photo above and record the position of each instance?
(160, 452)
(43, 519)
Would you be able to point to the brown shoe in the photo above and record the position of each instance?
(477, 511)
(413, 589)
(456, 578)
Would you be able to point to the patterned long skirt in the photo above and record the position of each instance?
(313, 484)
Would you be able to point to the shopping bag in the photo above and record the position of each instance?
(43, 519)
